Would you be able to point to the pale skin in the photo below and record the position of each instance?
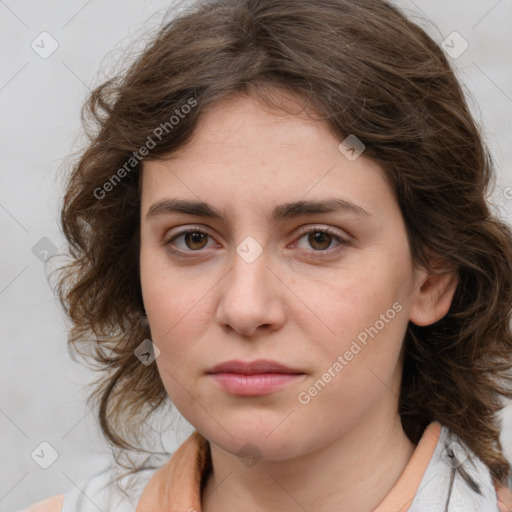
(345, 449)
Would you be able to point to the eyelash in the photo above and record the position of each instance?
(303, 231)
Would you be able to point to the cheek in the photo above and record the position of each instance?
(356, 369)
(176, 320)
(171, 296)
(179, 314)
(362, 302)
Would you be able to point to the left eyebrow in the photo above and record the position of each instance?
(281, 212)
(331, 205)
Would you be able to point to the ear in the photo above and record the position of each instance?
(433, 296)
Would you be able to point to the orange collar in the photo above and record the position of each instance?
(177, 486)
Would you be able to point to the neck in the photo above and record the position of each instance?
(351, 474)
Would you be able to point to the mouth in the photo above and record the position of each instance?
(254, 378)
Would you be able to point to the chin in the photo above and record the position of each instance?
(252, 443)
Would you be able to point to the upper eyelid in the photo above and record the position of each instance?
(308, 227)
(302, 231)
(318, 227)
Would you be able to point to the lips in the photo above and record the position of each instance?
(253, 368)
(255, 378)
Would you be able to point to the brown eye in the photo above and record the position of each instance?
(193, 240)
(320, 240)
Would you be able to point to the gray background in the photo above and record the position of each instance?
(42, 391)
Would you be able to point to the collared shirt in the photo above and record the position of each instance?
(443, 475)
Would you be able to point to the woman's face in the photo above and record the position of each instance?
(332, 307)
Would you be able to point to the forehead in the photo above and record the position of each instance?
(248, 156)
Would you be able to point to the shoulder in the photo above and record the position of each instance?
(99, 492)
(51, 504)
(456, 477)
(504, 498)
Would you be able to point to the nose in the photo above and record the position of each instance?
(251, 298)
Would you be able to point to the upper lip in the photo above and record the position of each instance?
(252, 367)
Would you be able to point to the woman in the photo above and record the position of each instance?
(280, 227)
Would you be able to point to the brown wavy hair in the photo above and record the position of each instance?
(364, 68)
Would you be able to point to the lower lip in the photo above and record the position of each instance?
(253, 385)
